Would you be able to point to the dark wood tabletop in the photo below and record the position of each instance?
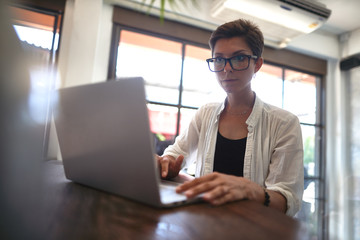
(74, 211)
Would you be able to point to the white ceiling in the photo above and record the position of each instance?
(345, 15)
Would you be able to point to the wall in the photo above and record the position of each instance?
(21, 138)
(352, 178)
(317, 44)
(342, 129)
(85, 42)
(354, 167)
(84, 50)
(350, 44)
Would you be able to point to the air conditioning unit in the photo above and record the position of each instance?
(279, 20)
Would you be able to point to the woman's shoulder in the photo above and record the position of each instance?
(278, 113)
(209, 109)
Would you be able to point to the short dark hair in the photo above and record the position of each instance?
(240, 28)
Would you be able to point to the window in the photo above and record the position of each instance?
(157, 60)
(300, 93)
(176, 76)
(291, 81)
(199, 84)
(37, 29)
(39, 32)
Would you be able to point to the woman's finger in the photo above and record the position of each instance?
(196, 182)
(164, 164)
(200, 188)
(217, 192)
(228, 197)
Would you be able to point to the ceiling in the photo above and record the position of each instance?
(345, 16)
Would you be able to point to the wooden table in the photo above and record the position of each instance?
(74, 211)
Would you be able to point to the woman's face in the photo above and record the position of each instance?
(230, 80)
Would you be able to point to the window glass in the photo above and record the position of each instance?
(200, 85)
(310, 165)
(300, 95)
(39, 30)
(36, 29)
(163, 120)
(267, 84)
(309, 213)
(185, 118)
(157, 60)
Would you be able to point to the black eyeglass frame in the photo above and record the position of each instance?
(229, 60)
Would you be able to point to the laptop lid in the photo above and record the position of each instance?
(105, 139)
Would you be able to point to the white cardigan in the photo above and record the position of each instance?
(274, 148)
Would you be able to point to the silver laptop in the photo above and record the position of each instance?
(106, 143)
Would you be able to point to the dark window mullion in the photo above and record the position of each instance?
(311, 125)
(320, 150)
(283, 87)
(115, 41)
(52, 50)
(180, 90)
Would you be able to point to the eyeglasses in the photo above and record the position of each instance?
(237, 63)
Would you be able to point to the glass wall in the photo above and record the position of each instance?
(39, 31)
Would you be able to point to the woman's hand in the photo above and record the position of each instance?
(218, 188)
(169, 166)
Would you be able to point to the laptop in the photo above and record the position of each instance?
(106, 143)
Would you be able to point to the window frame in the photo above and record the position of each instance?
(117, 28)
(58, 15)
(320, 150)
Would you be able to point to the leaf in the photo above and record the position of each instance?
(172, 3)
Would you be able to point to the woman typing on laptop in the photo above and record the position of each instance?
(244, 148)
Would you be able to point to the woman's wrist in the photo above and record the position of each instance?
(255, 192)
(267, 198)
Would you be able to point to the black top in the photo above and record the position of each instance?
(229, 156)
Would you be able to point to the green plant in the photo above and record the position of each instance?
(309, 150)
(172, 3)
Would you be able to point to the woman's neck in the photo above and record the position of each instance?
(239, 103)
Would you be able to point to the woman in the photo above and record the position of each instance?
(245, 148)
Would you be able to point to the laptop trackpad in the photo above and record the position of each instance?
(168, 194)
